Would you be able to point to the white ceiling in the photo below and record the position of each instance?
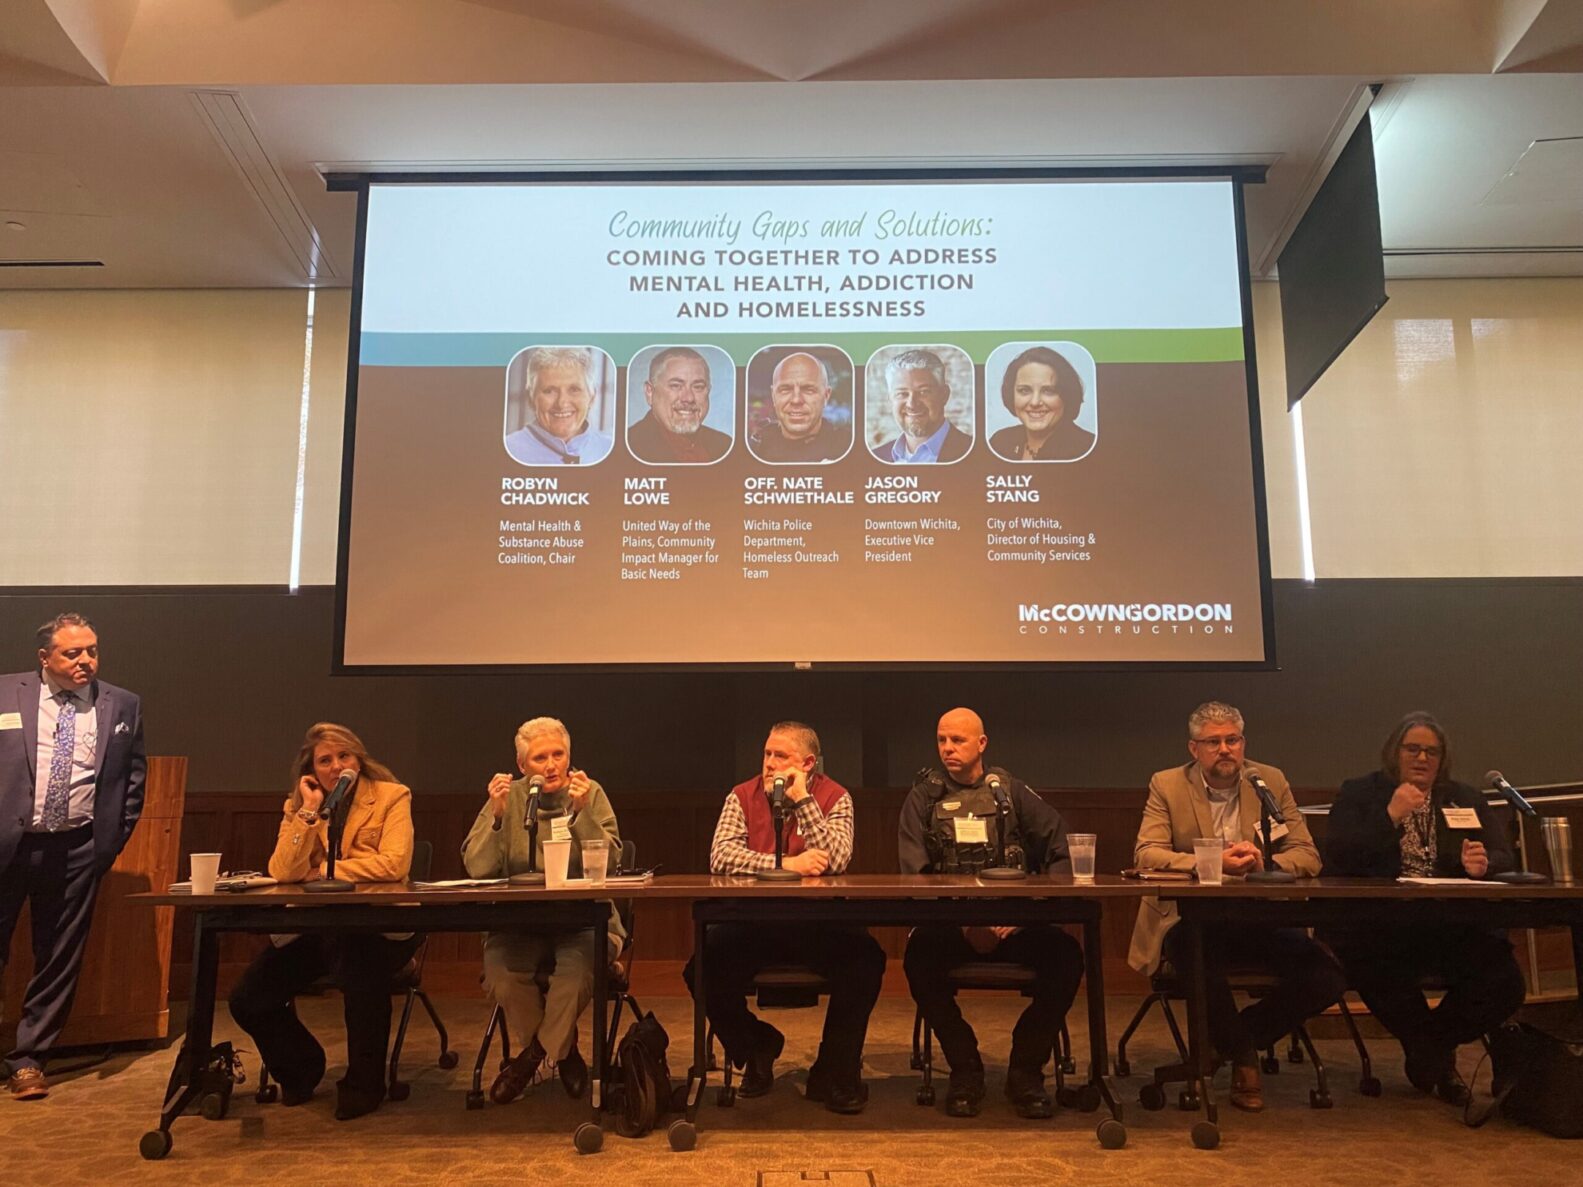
(182, 142)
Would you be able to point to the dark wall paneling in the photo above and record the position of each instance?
(232, 677)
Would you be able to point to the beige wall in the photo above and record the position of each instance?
(150, 438)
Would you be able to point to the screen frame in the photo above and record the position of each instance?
(1239, 176)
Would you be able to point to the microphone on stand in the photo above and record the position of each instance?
(777, 796)
(1269, 812)
(1519, 805)
(1000, 870)
(333, 810)
(532, 876)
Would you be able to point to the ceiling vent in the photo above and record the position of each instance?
(235, 132)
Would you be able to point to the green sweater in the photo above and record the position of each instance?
(499, 848)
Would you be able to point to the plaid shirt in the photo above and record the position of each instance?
(730, 852)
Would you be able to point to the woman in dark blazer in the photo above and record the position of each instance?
(1394, 823)
(1045, 393)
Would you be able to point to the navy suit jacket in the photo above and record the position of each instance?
(119, 766)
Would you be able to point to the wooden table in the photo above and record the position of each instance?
(899, 899)
(375, 907)
(1350, 902)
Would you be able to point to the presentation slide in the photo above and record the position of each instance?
(801, 423)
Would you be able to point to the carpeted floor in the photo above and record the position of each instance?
(88, 1130)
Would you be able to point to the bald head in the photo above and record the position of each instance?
(961, 741)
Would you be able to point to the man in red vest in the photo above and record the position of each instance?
(817, 840)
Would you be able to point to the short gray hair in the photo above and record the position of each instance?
(805, 735)
(541, 357)
(1211, 713)
(915, 360)
(536, 726)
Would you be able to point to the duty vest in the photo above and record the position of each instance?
(954, 813)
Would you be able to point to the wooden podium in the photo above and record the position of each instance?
(123, 994)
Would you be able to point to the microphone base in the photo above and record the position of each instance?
(1519, 878)
(778, 874)
(1002, 873)
(1271, 876)
(530, 879)
(327, 886)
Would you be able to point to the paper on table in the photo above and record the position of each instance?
(1444, 881)
(458, 883)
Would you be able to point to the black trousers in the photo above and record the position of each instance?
(55, 874)
(1308, 980)
(849, 957)
(363, 965)
(1484, 986)
(1056, 959)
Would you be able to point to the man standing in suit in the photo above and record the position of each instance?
(71, 789)
(1211, 797)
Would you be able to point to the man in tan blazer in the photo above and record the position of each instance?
(1210, 796)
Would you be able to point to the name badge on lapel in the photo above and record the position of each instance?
(10, 721)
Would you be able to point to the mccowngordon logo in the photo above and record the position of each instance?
(1199, 617)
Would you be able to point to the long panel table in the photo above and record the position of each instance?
(378, 907)
(1350, 902)
(903, 900)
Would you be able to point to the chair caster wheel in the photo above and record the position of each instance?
(1270, 1065)
(267, 1095)
(725, 1097)
(1152, 1097)
(1123, 1067)
(1088, 1098)
(1295, 1055)
(399, 1090)
(1187, 1101)
(1112, 1134)
(683, 1135)
(155, 1144)
(475, 1100)
(588, 1138)
(1370, 1086)
(1066, 1098)
(214, 1106)
(449, 1059)
(1205, 1135)
(1319, 1100)
(925, 1097)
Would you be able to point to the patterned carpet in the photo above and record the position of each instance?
(88, 1130)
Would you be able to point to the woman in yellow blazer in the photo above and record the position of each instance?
(376, 846)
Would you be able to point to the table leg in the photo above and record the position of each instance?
(1206, 1133)
(189, 1078)
(589, 1137)
(1112, 1133)
(1577, 959)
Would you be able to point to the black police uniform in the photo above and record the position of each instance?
(940, 826)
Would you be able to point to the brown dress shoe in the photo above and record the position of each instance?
(28, 1083)
(1247, 1089)
(518, 1073)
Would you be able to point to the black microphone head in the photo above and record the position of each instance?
(1494, 778)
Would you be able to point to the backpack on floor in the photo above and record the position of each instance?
(643, 1092)
(1538, 1076)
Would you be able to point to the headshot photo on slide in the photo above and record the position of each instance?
(560, 406)
(1040, 402)
(918, 404)
(681, 405)
(799, 405)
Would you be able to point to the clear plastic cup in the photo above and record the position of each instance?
(1081, 848)
(1209, 852)
(557, 856)
(205, 869)
(596, 861)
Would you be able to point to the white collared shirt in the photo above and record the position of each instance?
(1225, 809)
(79, 809)
(927, 451)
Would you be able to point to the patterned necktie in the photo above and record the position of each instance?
(57, 796)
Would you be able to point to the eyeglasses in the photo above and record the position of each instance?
(1229, 743)
(1413, 750)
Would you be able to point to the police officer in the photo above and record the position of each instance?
(948, 826)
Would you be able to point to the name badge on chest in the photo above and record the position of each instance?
(1461, 817)
(971, 830)
(560, 828)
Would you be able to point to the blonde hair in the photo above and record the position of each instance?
(336, 735)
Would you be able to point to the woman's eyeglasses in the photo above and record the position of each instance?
(1413, 750)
